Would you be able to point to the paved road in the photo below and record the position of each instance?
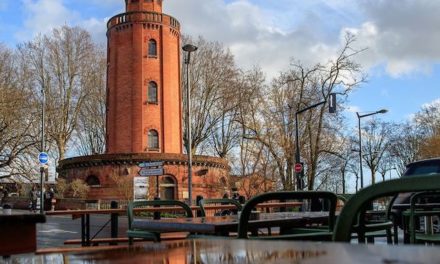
(57, 229)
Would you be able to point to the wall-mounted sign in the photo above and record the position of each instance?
(151, 171)
(151, 164)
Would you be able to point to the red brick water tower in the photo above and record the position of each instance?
(144, 112)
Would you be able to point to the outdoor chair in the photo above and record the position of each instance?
(293, 233)
(415, 214)
(368, 229)
(222, 201)
(145, 234)
(348, 218)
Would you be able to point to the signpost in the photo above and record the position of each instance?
(154, 168)
(43, 158)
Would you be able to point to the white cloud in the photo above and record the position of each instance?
(402, 36)
(96, 27)
(434, 103)
(42, 16)
(252, 33)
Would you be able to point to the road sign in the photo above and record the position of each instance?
(43, 157)
(151, 164)
(151, 171)
(298, 167)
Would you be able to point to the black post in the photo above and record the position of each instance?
(156, 215)
(297, 154)
(198, 199)
(43, 103)
(114, 222)
(157, 187)
(360, 151)
(300, 175)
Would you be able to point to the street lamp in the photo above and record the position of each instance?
(382, 111)
(188, 48)
(299, 175)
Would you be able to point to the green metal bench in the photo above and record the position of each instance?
(221, 201)
(414, 213)
(316, 234)
(349, 215)
(145, 234)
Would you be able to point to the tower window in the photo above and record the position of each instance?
(152, 92)
(153, 139)
(152, 48)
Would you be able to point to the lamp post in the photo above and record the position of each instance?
(43, 103)
(382, 111)
(188, 48)
(299, 175)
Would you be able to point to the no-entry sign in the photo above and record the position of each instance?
(298, 167)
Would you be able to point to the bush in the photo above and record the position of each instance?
(61, 187)
(79, 188)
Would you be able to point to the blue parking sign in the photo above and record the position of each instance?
(43, 157)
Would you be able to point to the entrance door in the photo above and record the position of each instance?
(168, 188)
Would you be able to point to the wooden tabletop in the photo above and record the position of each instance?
(21, 218)
(167, 209)
(245, 251)
(229, 223)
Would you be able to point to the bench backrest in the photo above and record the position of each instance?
(158, 203)
(288, 195)
(204, 202)
(360, 201)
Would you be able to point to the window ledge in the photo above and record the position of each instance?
(153, 149)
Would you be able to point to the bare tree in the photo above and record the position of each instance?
(212, 77)
(17, 120)
(274, 123)
(405, 145)
(376, 141)
(428, 120)
(61, 65)
(90, 133)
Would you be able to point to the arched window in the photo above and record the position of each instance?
(153, 139)
(152, 92)
(152, 48)
(93, 181)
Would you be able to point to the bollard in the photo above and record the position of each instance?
(114, 222)
(198, 199)
(156, 215)
(282, 208)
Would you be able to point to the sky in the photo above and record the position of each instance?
(402, 38)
